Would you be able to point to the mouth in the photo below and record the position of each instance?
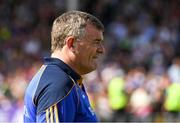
(95, 57)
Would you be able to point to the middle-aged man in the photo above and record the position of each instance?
(56, 93)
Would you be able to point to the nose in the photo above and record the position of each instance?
(101, 49)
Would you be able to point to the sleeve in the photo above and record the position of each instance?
(63, 111)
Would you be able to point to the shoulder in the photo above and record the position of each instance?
(53, 86)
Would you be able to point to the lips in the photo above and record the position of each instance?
(96, 56)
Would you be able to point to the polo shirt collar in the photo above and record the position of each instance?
(63, 66)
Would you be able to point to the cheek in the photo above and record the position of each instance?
(87, 53)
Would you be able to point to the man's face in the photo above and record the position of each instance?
(89, 49)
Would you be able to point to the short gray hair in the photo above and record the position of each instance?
(71, 23)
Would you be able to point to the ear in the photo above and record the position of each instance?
(70, 42)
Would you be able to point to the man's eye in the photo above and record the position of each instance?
(97, 42)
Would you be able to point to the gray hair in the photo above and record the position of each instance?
(71, 23)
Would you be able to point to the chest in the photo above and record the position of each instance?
(84, 112)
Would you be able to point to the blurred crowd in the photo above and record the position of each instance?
(139, 76)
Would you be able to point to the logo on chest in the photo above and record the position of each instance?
(83, 96)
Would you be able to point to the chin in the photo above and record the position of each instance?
(90, 69)
(93, 68)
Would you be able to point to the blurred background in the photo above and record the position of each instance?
(138, 79)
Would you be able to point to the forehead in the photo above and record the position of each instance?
(93, 33)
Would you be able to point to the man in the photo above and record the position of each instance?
(56, 93)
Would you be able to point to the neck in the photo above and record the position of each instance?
(65, 57)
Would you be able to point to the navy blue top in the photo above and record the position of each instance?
(53, 95)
